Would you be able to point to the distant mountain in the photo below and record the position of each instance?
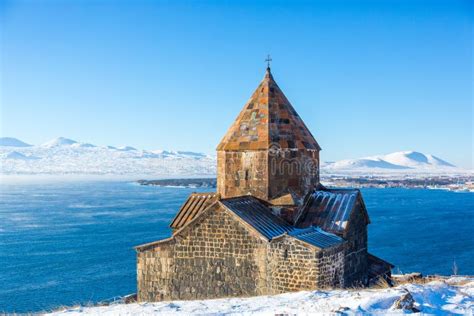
(12, 142)
(403, 160)
(17, 156)
(59, 141)
(126, 148)
(190, 154)
(83, 145)
(413, 159)
(64, 156)
(364, 163)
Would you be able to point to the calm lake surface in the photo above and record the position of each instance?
(63, 244)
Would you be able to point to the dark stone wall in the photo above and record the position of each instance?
(242, 173)
(356, 266)
(295, 266)
(331, 265)
(292, 266)
(267, 174)
(217, 257)
(294, 171)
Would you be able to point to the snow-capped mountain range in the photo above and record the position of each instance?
(398, 161)
(63, 156)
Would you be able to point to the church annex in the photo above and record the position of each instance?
(271, 227)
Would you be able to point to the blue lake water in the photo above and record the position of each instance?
(63, 244)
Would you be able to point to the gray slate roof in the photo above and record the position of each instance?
(316, 236)
(324, 213)
(260, 216)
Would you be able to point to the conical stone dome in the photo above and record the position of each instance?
(268, 120)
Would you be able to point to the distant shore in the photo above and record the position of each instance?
(182, 183)
(457, 183)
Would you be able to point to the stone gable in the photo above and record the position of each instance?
(216, 256)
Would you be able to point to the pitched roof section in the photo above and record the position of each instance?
(196, 203)
(268, 120)
(316, 236)
(258, 215)
(329, 209)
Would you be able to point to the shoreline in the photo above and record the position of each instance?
(452, 183)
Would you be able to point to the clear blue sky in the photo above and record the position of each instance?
(368, 77)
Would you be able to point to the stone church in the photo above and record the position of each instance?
(271, 227)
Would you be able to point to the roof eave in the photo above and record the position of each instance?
(153, 244)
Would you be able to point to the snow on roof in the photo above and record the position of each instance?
(329, 209)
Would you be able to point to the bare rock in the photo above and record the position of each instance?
(406, 302)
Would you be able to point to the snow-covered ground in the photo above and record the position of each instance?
(64, 158)
(454, 296)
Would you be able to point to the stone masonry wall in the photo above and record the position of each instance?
(267, 174)
(241, 173)
(295, 266)
(292, 266)
(356, 266)
(331, 267)
(292, 170)
(218, 257)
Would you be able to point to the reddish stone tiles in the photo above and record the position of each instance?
(267, 120)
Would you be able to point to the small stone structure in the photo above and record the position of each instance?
(271, 227)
